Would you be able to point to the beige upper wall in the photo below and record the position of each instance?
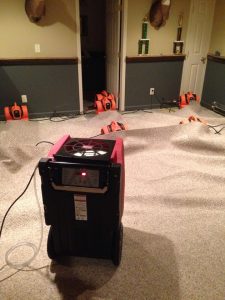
(218, 32)
(161, 41)
(55, 33)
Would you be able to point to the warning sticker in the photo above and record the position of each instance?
(80, 206)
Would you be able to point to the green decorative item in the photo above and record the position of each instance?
(140, 46)
(144, 29)
(146, 46)
(143, 43)
(178, 44)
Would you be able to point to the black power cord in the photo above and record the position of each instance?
(55, 117)
(44, 142)
(3, 221)
(217, 131)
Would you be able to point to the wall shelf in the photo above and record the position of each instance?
(216, 58)
(155, 58)
(37, 61)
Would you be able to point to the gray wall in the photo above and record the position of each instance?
(49, 88)
(214, 84)
(164, 76)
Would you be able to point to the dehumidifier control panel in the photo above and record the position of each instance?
(80, 177)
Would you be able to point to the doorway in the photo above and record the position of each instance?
(93, 49)
(100, 30)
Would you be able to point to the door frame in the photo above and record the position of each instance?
(79, 59)
(123, 49)
(189, 43)
(123, 52)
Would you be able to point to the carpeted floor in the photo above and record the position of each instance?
(174, 217)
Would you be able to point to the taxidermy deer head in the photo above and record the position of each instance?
(35, 9)
(159, 13)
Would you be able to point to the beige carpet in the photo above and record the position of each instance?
(174, 217)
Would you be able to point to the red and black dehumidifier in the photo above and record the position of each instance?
(83, 195)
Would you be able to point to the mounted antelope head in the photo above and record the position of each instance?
(159, 13)
(35, 9)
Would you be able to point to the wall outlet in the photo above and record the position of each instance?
(24, 98)
(152, 91)
(37, 48)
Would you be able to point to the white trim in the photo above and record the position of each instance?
(123, 51)
(80, 84)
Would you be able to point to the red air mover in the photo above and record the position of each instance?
(113, 126)
(186, 98)
(16, 112)
(83, 196)
(104, 101)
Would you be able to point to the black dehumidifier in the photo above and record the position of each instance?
(83, 196)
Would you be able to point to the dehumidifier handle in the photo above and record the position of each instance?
(81, 189)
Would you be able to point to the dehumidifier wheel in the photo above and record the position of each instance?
(50, 245)
(117, 245)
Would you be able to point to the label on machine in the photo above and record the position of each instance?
(80, 206)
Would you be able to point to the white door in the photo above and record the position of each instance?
(197, 45)
(113, 9)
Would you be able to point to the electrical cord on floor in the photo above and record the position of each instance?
(53, 143)
(96, 135)
(28, 244)
(56, 117)
(17, 200)
(217, 131)
(11, 275)
(61, 118)
(130, 112)
(222, 124)
(31, 270)
(146, 111)
(38, 120)
(44, 142)
(168, 105)
(135, 111)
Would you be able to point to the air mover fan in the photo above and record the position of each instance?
(16, 112)
(186, 98)
(104, 101)
(113, 126)
(83, 197)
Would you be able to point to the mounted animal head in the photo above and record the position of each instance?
(35, 9)
(159, 13)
